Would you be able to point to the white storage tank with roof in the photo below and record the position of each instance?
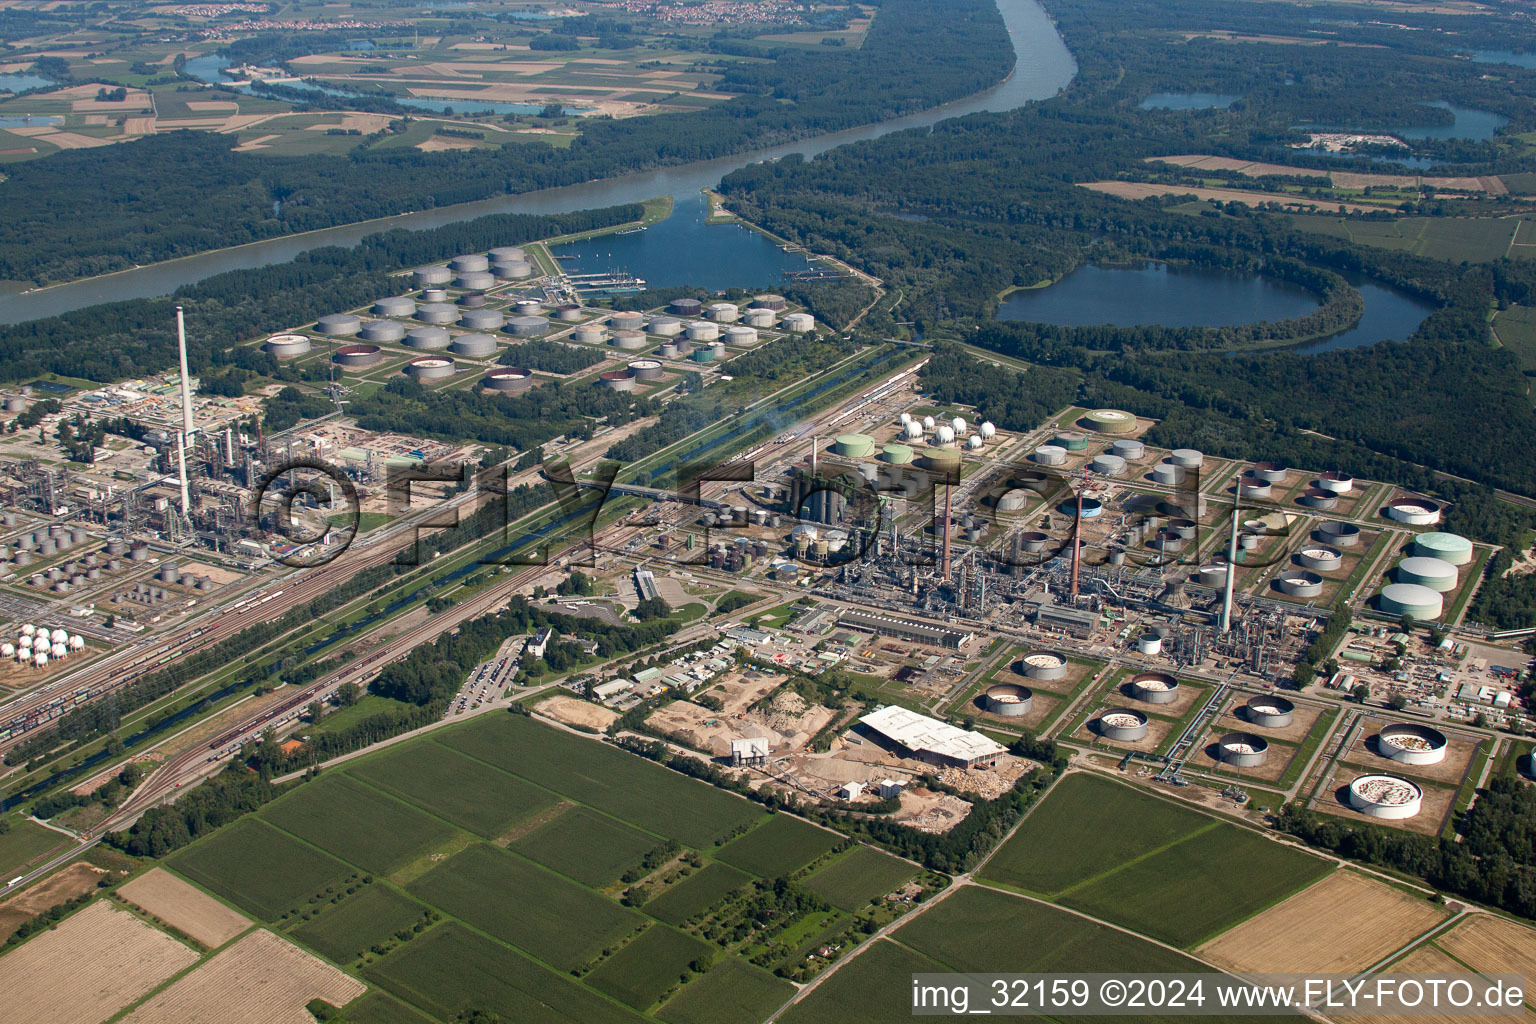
(513, 270)
(384, 331)
(629, 341)
(627, 321)
(1412, 599)
(1448, 547)
(475, 281)
(469, 262)
(1433, 573)
(703, 330)
(395, 305)
(426, 277)
(665, 326)
(723, 312)
(1051, 455)
(1186, 458)
(482, 319)
(287, 346)
(339, 325)
(527, 326)
(475, 346)
(589, 335)
(1128, 448)
(740, 336)
(798, 323)
(759, 318)
(437, 313)
(428, 338)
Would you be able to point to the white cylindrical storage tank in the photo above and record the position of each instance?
(646, 369)
(1242, 749)
(1149, 644)
(482, 319)
(437, 313)
(527, 326)
(723, 312)
(1270, 472)
(1269, 712)
(475, 346)
(1186, 458)
(665, 326)
(1338, 483)
(504, 253)
(434, 294)
(1414, 512)
(475, 281)
(617, 380)
(1427, 572)
(740, 336)
(468, 263)
(512, 270)
(1122, 725)
(426, 277)
(1411, 743)
(1108, 465)
(430, 368)
(1447, 547)
(703, 330)
(1320, 559)
(1212, 575)
(382, 331)
(1338, 534)
(1250, 487)
(627, 321)
(1299, 583)
(351, 356)
(629, 341)
(1051, 455)
(1386, 797)
(568, 311)
(395, 305)
(1128, 448)
(589, 335)
(1009, 700)
(1043, 665)
(759, 318)
(287, 346)
(1168, 474)
(508, 379)
(428, 338)
(1154, 688)
(798, 323)
(1316, 497)
(528, 307)
(339, 325)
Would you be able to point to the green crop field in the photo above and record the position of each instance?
(357, 823)
(259, 869)
(646, 969)
(1086, 826)
(1201, 886)
(731, 993)
(699, 891)
(451, 970)
(1475, 239)
(1516, 331)
(485, 800)
(858, 876)
(27, 841)
(875, 985)
(558, 921)
(586, 846)
(778, 846)
(611, 780)
(347, 930)
(378, 1008)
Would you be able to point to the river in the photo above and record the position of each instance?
(1044, 67)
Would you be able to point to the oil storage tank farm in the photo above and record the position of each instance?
(1319, 559)
(287, 346)
(1009, 699)
(475, 346)
(1242, 749)
(1427, 572)
(1411, 743)
(1448, 547)
(1385, 796)
(1414, 511)
(430, 368)
(339, 325)
(428, 338)
(1109, 421)
(1411, 599)
(508, 379)
(1123, 725)
(1042, 665)
(1268, 711)
(1154, 688)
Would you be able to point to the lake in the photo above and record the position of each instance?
(1157, 293)
(23, 120)
(1187, 101)
(1519, 60)
(1044, 67)
(23, 82)
(1475, 125)
(684, 250)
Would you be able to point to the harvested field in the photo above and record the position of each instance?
(51, 891)
(183, 907)
(1493, 944)
(1343, 924)
(572, 711)
(438, 143)
(1427, 960)
(259, 980)
(88, 968)
(1142, 190)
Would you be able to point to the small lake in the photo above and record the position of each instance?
(1187, 101)
(1474, 125)
(23, 120)
(23, 82)
(1519, 60)
(683, 250)
(1157, 293)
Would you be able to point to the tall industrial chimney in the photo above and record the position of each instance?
(181, 469)
(1226, 601)
(946, 529)
(186, 386)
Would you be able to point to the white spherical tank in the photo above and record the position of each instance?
(28, 629)
(57, 650)
(974, 442)
(912, 431)
(25, 643)
(40, 659)
(944, 435)
(905, 418)
(59, 636)
(7, 650)
(960, 426)
(77, 642)
(928, 422)
(988, 430)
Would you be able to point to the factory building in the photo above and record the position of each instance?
(1072, 621)
(750, 752)
(645, 584)
(901, 629)
(928, 739)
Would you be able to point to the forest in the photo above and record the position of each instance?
(84, 212)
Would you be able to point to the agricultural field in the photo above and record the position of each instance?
(1200, 885)
(1515, 328)
(1492, 944)
(603, 777)
(696, 893)
(25, 844)
(89, 967)
(862, 874)
(558, 921)
(236, 863)
(378, 1007)
(187, 909)
(586, 846)
(469, 793)
(357, 823)
(259, 980)
(875, 985)
(1474, 239)
(649, 967)
(345, 931)
(1086, 826)
(451, 970)
(1341, 925)
(731, 993)
(779, 846)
